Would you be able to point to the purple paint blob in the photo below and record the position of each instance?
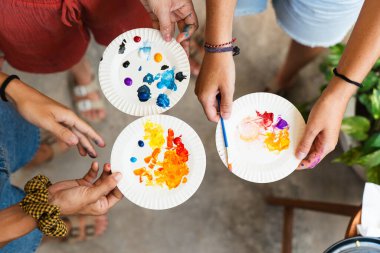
(281, 123)
(128, 81)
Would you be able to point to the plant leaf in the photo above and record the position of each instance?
(356, 127)
(375, 103)
(373, 175)
(370, 160)
(366, 101)
(372, 142)
(370, 81)
(349, 157)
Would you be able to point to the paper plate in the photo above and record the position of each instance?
(154, 196)
(134, 55)
(251, 159)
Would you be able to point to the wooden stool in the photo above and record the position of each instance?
(290, 204)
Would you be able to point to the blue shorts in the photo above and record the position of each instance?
(312, 23)
(19, 141)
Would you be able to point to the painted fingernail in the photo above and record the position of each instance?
(118, 176)
(301, 155)
(92, 155)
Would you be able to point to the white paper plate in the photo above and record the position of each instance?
(156, 197)
(251, 161)
(112, 73)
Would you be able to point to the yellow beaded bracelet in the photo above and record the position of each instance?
(35, 203)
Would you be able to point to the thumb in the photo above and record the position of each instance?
(63, 133)
(226, 103)
(102, 189)
(306, 142)
(166, 26)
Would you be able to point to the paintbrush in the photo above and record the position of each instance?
(229, 165)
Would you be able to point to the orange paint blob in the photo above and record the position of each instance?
(277, 141)
(158, 57)
(170, 171)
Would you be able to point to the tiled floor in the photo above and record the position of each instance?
(226, 214)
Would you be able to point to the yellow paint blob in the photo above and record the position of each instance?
(158, 57)
(277, 141)
(155, 134)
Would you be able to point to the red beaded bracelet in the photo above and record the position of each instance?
(208, 45)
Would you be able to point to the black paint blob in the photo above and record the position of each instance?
(164, 67)
(122, 47)
(101, 58)
(126, 64)
(180, 76)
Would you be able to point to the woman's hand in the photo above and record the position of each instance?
(52, 116)
(322, 129)
(87, 196)
(217, 75)
(166, 13)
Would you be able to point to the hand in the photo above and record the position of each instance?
(48, 114)
(217, 75)
(165, 13)
(87, 196)
(322, 129)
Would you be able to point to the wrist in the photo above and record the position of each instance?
(340, 89)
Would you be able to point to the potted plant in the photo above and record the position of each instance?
(360, 131)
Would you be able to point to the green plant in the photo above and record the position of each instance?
(365, 126)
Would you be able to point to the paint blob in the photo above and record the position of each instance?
(126, 64)
(143, 93)
(140, 68)
(167, 80)
(148, 78)
(144, 52)
(133, 159)
(137, 39)
(122, 47)
(170, 171)
(158, 57)
(163, 100)
(274, 136)
(180, 76)
(128, 81)
(141, 143)
(164, 67)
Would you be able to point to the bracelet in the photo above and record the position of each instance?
(5, 84)
(235, 50)
(343, 77)
(35, 203)
(220, 45)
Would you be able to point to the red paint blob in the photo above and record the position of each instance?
(137, 39)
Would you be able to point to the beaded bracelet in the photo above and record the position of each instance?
(208, 45)
(35, 203)
(4, 86)
(235, 50)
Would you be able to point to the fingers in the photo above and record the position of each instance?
(184, 36)
(114, 197)
(166, 26)
(210, 107)
(311, 160)
(92, 173)
(306, 142)
(226, 102)
(104, 188)
(84, 144)
(85, 129)
(63, 133)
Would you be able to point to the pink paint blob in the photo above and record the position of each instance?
(248, 129)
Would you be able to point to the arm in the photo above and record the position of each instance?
(85, 196)
(362, 51)
(48, 114)
(217, 74)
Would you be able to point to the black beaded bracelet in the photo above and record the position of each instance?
(4, 86)
(343, 77)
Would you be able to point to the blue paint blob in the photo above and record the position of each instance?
(157, 76)
(141, 143)
(163, 101)
(133, 159)
(140, 68)
(128, 81)
(167, 80)
(148, 78)
(143, 92)
(144, 52)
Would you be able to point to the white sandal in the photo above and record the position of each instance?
(84, 105)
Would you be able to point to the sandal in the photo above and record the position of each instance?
(83, 103)
(50, 147)
(83, 228)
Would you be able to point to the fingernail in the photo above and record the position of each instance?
(225, 115)
(118, 176)
(301, 155)
(92, 155)
(168, 38)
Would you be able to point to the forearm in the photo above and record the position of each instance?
(219, 20)
(362, 50)
(14, 223)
